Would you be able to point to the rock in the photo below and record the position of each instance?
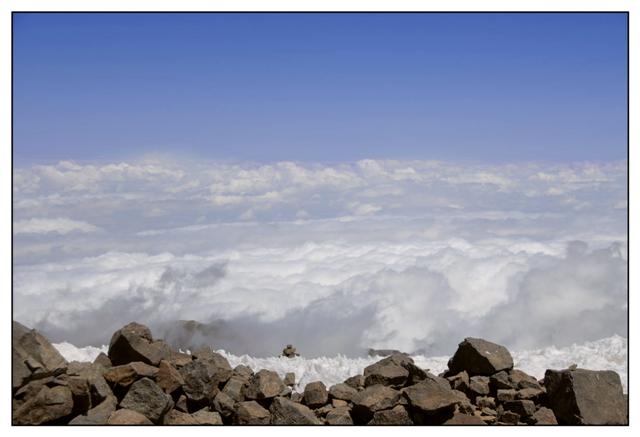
(148, 399)
(285, 412)
(371, 399)
(431, 402)
(485, 402)
(127, 417)
(225, 405)
(32, 356)
(49, 406)
(220, 369)
(521, 380)
(264, 385)
(252, 413)
(322, 411)
(243, 371)
(356, 381)
(181, 404)
(398, 415)
(464, 405)
(506, 395)
(103, 360)
(388, 371)
(464, 419)
(30, 390)
(544, 416)
(500, 381)
(510, 418)
(315, 394)
(127, 374)
(459, 381)
(235, 388)
(290, 352)
(81, 395)
(342, 391)
(204, 417)
(586, 397)
(479, 386)
(179, 359)
(480, 357)
(296, 397)
(202, 353)
(338, 403)
(290, 379)
(175, 417)
(168, 378)
(134, 342)
(286, 392)
(200, 384)
(98, 415)
(523, 408)
(93, 373)
(533, 394)
(339, 416)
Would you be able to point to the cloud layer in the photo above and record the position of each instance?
(411, 255)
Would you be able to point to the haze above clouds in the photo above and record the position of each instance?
(335, 258)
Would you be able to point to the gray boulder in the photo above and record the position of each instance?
(285, 412)
(252, 413)
(264, 385)
(371, 399)
(148, 399)
(342, 391)
(315, 394)
(339, 416)
(128, 417)
(133, 342)
(98, 415)
(49, 406)
(397, 415)
(431, 401)
(200, 384)
(480, 357)
(388, 371)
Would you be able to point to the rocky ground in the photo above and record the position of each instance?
(143, 382)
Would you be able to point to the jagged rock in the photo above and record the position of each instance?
(200, 384)
(338, 403)
(252, 413)
(464, 405)
(286, 392)
(506, 395)
(148, 399)
(127, 417)
(98, 415)
(181, 404)
(339, 416)
(235, 387)
(431, 401)
(93, 373)
(168, 377)
(175, 417)
(388, 371)
(49, 406)
(342, 391)
(30, 390)
(315, 394)
(532, 394)
(296, 397)
(103, 360)
(81, 394)
(243, 371)
(204, 417)
(127, 374)
(290, 379)
(224, 404)
(480, 357)
(521, 380)
(32, 356)
(459, 381)
(523, 408)
(398, 415)
(501, 381)
(218, 368)
(371, 399)
(264, 385)
(586, 397)
(179, 359)
(510, 418)
(356, 381)
(323, 410)
(464, 419)
(485, 402)
(202, 353)
(479, 386)
(544, 416)
(285, 412)
(133, 342)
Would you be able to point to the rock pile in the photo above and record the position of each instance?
(143, 382)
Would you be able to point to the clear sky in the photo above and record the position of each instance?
(320, 87)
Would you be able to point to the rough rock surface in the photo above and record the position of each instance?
(371, 399)
(47, 407)
(264, 385)
(148, 399)
(315, 394)
(285, 412)
(133, 342)
(127, 417)
(480, 357)
(252, 413)
(397, 415)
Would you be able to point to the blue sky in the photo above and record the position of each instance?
(320, 87)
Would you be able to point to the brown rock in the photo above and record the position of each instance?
(285, 412)
(398, 415)
(464, 419)
(290, 379)
(459, 381)
(251, 413)
(342, 391)
(200, 384)
(98, 415)
(181, 404)
(479, 385)
(175, 417)
(339, 416)
(148, 399)
(524, 408)
(533, 394)
(49, 406)
(485, 402)
(510, 418)
(480, 357)
(235, 388)
(134, 342)
(264, 385)
(388, 371)
(225, 405)
(521, 380)
(506, 395)
(431, 402)
(338, 403)
(243, 371)
(204, 417)
(544, 416)
(103, 360)
(127, 417)
(168, 377)
(179, 359)
(315, 394)
(371, 399)
(356, 381)
(501, 381)
(127, 374)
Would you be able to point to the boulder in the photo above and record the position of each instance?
(485, 402)
(98, 415)
(532, 394)
(371, 399)
(179, 359)
(225, 405)
(200, 385)
(339, 416)
(431, 401)
(501, 381)
(290, 379)
(251, 413)
(148, 399)
(388, 371)
(356, 381)
(49, 406)
(133, 342)
(81, 395)
(544, 416)
(181, 404)
(480, 357)
(175, 417)
(315, 394)
(506, 395)
(32, 356)
(205, 417)
(103, 360)
(93, 373)
(128, 417)
(243, 371)
(338, 403)
(464, 419)
(168, 377)
(264, 385)
(235, 387)
(397, 415)
(127, 374)
(524, 408)
(342, 391)
(509, 418)
(520, 380)
(459, 381)
(285, 412)
(586, 397)
(479, 386)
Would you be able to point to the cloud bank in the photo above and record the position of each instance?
(336, 258)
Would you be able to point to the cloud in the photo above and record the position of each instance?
(57, 225)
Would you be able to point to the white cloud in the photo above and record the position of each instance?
(55, 225)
